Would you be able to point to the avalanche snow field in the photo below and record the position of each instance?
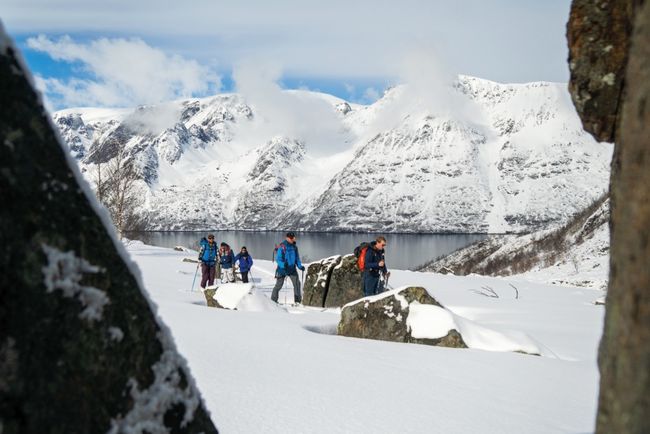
(269, 369)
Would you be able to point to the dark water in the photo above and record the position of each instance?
(404, 251)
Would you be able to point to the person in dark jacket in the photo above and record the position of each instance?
(245, 261)
(227, 261)
(208, 260)
(288, 259)
(375, 265)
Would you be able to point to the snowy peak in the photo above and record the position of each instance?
(484, 157)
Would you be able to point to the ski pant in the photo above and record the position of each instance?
(244, 276)
(208, 273)
(297, 297)
(227, 275)
(370, 283)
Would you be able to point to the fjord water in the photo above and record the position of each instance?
(404, 251)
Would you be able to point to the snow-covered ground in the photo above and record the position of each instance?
(280, 369)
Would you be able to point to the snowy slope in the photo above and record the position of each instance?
(281, 371)
(484, 157)
(576, 254)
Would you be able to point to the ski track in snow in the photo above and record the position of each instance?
(279, 371)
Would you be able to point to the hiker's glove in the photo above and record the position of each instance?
(302, 268)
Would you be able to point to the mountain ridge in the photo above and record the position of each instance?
(483, 157)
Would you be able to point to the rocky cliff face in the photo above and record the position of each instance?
(81, 347)
(500, 158)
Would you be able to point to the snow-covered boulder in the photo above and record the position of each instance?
(386, 317)
(411, 314)
(318, 280)
(227, 295)
(344, 283)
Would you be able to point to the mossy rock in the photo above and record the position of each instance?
(384, 317)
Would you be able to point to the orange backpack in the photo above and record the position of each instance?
(360, 253)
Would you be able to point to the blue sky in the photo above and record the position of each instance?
(353, 50)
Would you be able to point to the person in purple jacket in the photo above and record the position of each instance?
(245, 261)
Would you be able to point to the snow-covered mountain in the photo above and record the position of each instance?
(478, 157)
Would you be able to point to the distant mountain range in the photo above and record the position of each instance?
(482, 157)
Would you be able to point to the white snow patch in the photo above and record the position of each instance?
(64, 271)
(433, 322)
(229, 295)
(258, 303)
(392, 293)
(429, 322)
(116, 333)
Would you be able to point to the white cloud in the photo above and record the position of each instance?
(303, 115)
(122, 72)
(427, 89)
(498, 39)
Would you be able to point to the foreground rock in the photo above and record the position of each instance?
(318, 280)
(386, 317)
(612, 94)
(344, 283)
(81, 348)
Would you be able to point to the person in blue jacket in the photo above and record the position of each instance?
(288, 260)
(208, 260)
(245, 261)
(374, 266)
(227, 262)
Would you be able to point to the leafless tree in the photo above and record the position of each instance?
(117, 188)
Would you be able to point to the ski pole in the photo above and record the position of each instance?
(387, 275)
(195, 273)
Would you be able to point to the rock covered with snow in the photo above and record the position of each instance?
(411, 315)
(386, 317)
(318, 280)
(227, 295)
(344, 283)
(81, 346)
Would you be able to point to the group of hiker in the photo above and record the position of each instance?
(370, 260)
(211, 256)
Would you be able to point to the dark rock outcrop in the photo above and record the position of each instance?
(81, 349)
(385, 317)
(624, 355)
(345, 283)
(598, 34)
(318, 280)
